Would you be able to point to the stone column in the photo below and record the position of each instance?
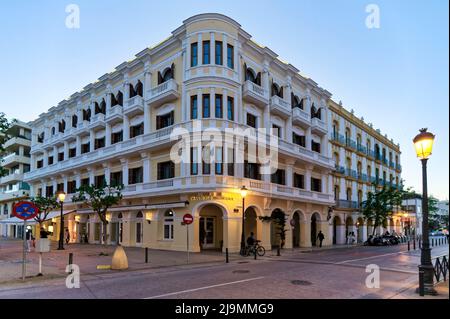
(91, 140)
(305, 233)
(107, 134)
(66, 150)
(126, 128)
(107, 172)
(124, 163)
(146, 167)
(65, 181)
(212, 46)
(200, 49)
(78, 145)
(91, 175)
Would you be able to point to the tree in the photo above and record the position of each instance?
(279, 218)
(99, 199)
(434, 219)
(4, 136)
(380, 205)
(45, 205)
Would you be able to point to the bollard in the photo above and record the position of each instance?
(146, 255)
(421, 286)
(70, 262)
(278, 251)
(414, 243)
(226, 256)
(409, 248)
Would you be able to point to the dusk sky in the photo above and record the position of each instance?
(395, 76)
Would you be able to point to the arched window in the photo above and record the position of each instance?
(335, 129)
(103, 106)
(166, 75)
(358, 140)
(360, 197)
(74, 120)
(168, 224)
(252, 76)
(276, 90)
(349, 194)
(119, 98)
(359, 168)
(296, 102)
(53, 130)
(369, 171)
(139, 88)
(348, 135)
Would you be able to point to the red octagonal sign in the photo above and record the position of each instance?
(188, 219)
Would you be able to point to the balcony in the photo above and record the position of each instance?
(134, 106)
(14, 159)
(255, 94)
(163, 93)
(371, 154)
(339, 170)
(15, 177)
(114, 114)
(350, 144)
(351, 173)
(392, 164)
(318, 126)
(362, 177)
(362, 150)
(398, 167)
(301, 118)
(15, 194)
(97, 121)
(338, 138)
(346, 204)
(384, 161)
(280, 107)
(14, 142)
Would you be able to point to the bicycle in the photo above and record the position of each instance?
(260, 250)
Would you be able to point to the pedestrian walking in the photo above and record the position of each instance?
(67, 236)
(320, 237)
(29, 239)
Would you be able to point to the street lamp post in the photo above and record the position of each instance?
(243, 194)
(61, 197)
(423, 143)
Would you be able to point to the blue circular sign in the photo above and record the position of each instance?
(25, 210)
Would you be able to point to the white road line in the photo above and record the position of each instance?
(203, 288)
(371, 257)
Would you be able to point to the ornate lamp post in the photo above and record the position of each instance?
(61, 197)
(424, 145)
(243, 194)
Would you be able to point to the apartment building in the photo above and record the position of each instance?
(362, 156)
(209, 72)
(16, 160)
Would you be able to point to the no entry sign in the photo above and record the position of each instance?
(188, 219)
(25, 210)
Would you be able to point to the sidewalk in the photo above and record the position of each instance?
(87, 257)
(410, 292)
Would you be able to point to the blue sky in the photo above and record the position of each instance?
(396, 76)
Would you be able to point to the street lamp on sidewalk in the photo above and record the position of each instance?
(61, 197)
(423, 143)
(243, 194)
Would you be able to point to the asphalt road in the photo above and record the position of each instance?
(327, 274)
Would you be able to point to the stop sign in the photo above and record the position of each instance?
(188, 219)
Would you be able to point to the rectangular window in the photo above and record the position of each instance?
(61, 157)
(194, 54)
(276, 130)
(251, 170)
(230, 162)
(299, 181)
(99, 143)
(230, 108)
(72, 152)
(194, 161)
(206, 166)
(39, 164)
(85, 182)
(230, 56)
(219, 161)
(99, 181)
(206, 106)
(135, 175)
(71, 187)
(116, 178)
(219, 109)
(206, 52)
(279, 177)
(316, 184)
(49, 191)
(60, 187)
(166, 170)
(251, 120)
(85, 148)
(116, 137)
(165, 120)
(136, 130)
(194, 107)
(315, 147)
(299, 139)
(50, 160)
(219, 48)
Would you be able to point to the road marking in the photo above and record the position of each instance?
(203, 288)
(359, 259)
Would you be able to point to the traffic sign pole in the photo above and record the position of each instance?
(187, 241)
(24, 270)
(187, 220)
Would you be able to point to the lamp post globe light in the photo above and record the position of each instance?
(243, 191)
(61, 196)
(423, 143)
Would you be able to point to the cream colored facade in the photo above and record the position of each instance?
(362, 155)
(16, 159)
(209, 70)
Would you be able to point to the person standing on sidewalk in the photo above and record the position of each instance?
(320, 237)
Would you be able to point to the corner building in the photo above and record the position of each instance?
(117, 130)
